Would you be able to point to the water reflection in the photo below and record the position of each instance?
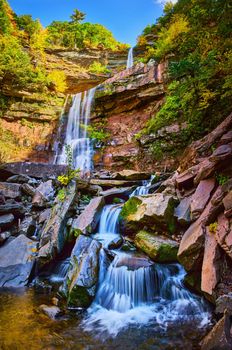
(22, 327)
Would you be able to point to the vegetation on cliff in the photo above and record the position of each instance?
(194, 36)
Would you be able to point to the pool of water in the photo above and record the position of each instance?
(22, 327)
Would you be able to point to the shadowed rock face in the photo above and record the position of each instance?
(16, 262)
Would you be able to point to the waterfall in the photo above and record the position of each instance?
(60, 271)
(144, 189)
(109, 224)
(130, 58)
(76, 132)
(133, 290)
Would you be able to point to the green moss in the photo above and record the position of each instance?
(79, 297)
(130, 207)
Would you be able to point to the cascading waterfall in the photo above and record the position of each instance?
(144, 189)
(77, 134)
(130, 58)
(133, 291)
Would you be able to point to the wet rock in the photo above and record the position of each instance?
(116, 243)
(81, 282)
(27, 226)
(224, 303)
(182, 212)
(34, 170)
(54, 234)
(16, 262)
(6, 220)
(50, 311)
(219, 338)
(153, 210)
(89, 218)
(211, 266)
(128, 247)
(131, 175)
(4, 237)
(10, 190)
(44, 193)
(16, 209)
(201, 197)
(158, 248)
(28, 190)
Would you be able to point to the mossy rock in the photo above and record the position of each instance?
(79, 297)
(158, 248)
(130, 207)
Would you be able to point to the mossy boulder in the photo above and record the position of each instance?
(154, 211)
(158, 248)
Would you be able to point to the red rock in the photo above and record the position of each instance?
(222, 153)
(185, 179)
(201, 197)
(227, 201)
(223, 234)
(206, 169)
(211, 264)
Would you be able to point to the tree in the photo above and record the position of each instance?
(77, 16)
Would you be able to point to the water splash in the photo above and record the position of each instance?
(130, 58)
(76, 132)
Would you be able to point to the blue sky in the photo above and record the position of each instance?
(125, 18)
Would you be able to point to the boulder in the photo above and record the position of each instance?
(211, 266)
(82, 278)
(36, 170)
(221, 153)
(185, 180)
(223, 233)
(6, 220)
(158, 248)
(219, 338)
(227, 202)
(44, 193)
(131, 175)
(182, 212)
(154, 211)
(54, 234)
(16, 262)
(224, 303)
(201, 197)
(10, 190)
(89, 218)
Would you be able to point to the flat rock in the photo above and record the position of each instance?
(158, 248)
(105, 183)
(36, 170)
(21, 179)
(16, 209)
(10, 190)
(221, 153)
(50, 311)
(210, 274)
(185, 180)
(16, 262)
(131, 175)
(122, 193)
(82, 278)
(87, 222)
(6, 220)
(201, 197)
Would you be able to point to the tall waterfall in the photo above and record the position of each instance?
(130, 58)
(77, 134)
